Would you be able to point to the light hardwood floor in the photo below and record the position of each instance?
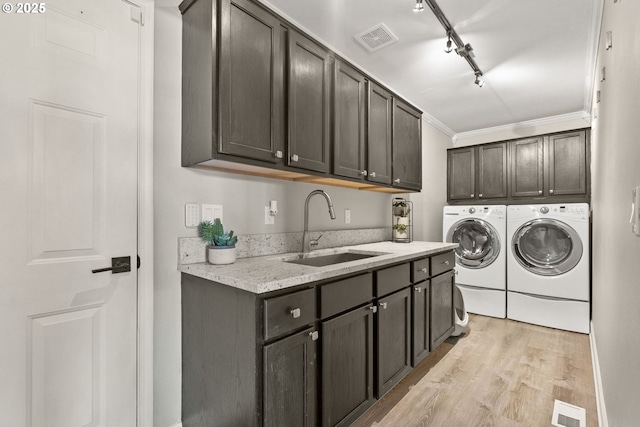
(502, 373)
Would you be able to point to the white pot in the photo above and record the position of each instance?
(402, 220)
(221, 255)
(397, 234)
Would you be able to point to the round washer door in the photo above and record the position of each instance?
(479, 243)
(547, 247)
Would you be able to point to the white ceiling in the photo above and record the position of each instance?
(537, 56)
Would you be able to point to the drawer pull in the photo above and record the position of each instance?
(295, 313)
(294, 157)
(373, 308)
(418, 289)
(383, 305)
(423, 270)
(445, 262)
(314, 335)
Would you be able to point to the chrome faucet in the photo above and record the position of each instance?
(306, 242)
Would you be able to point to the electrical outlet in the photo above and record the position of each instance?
(347, 216)
(268, 218)
(211, 212)
(191, 215)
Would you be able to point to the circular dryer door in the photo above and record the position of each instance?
(479, 243)
(547, 247)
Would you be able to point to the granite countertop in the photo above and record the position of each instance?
(268, 273)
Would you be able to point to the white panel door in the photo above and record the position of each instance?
(68, 204)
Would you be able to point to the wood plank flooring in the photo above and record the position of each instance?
(502, 373)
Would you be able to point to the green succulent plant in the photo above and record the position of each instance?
(213, 233)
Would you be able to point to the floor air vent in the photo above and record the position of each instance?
(567, 415)
(376, 38)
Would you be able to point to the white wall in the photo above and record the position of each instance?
(243, 199)
(616, 251)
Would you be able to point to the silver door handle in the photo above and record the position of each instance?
(373, 308)
(295, 313)
(294, 157)
(423, 270)
(397, 180)
(363, 172)
(418, 289)
(372, 174)
(383, 305)
(314, 335)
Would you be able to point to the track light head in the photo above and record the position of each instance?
(479, 81)
(448, 49)
(419, 7)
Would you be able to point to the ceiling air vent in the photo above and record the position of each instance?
(376, 38)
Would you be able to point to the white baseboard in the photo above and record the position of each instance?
(179, 424)
(602, 411)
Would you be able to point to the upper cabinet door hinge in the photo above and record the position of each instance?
(137, 16)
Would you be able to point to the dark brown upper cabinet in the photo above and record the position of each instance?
(549, 168)
(250, 81)
(407, 146)
(309, 104)
(568, 170)
(461, 173)
(349, 120)
(527, 166)
(379, 126)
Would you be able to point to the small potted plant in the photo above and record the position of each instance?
(221, 246)
(400, 208)
(400, 231)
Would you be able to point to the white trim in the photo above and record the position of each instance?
(428, 118)
(177, 425)
(602, 411)
(145, 217)
(592, 52)
(578, 115)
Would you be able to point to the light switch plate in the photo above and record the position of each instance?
(211, 212)
(347, 216)
(191, 214)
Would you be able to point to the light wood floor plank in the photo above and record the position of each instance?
(502, 373)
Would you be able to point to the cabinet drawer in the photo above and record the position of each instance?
(442, 262)
(419, 270)
(288, 312)
(345, 294)
(392, 279)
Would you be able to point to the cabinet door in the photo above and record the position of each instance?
(309, 82)
(567, 172)
(527, 167)
(442, 310)
(290, 372)
(250, 81)
(393, 344)
(492, 171)
(461, 173)
(348, 118)
(347, 367)
(407, 146)
(420, 322)
(379, 134)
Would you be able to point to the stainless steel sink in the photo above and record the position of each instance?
(324, 260)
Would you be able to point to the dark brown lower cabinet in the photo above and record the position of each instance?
(420, 313)
(347, 366)
(442, 309)
(393, 344)
(290, 372)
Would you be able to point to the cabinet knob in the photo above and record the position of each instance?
(550, 191)
(314, 335)
(480, 195)
(423, 270)
(278, 154)
(539, 191)
(373, 308)
(294, 157)
(445, 262)
(397, 180)
(471, 195)
(372, 174)
(418, 289)
(383, 305)
(295, 313)
(363, 172)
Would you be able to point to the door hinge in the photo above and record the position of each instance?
(137, 16)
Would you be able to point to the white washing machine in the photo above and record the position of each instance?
(548, 265)
(480, 232)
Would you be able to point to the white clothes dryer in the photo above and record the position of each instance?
(480, 232)
(548, 265)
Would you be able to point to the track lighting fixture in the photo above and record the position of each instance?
(448, 49)
(464, 50)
